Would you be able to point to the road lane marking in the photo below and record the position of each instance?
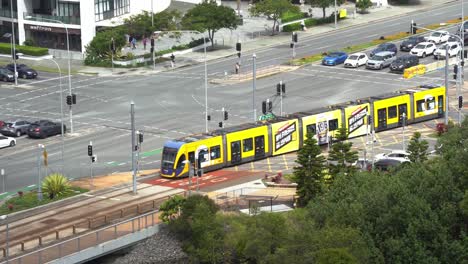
(102, 197)
(30, 186)
(285, 162)
(3, 193)
(88, 195)
(114, 199)
(269, 164)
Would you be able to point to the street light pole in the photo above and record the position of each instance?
(206, 86)
(13, 40)
(336, 23)
(132, 121)
(61, 114)
(254, 79)
(152, 14)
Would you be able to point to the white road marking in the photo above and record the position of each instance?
(114, 199)
(88, 195)
(3, 193)
(123, 163)
(30, 186)
(102, 197)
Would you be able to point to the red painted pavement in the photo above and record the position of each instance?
(209, 179)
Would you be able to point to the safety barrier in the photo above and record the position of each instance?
(415, 70)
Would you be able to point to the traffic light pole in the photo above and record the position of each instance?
(254, 79)
(281, 98)
(132, 121)
(13, 42)
(39, 185)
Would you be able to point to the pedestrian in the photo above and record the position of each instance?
(303, 26)
(172, 60)
(134, 43)
(145, 40)
(237, 67)
(129, 41)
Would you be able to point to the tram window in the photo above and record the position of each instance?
(247, 144)
(180, 163)
(311, 129)
(420, 105)
(333, 124)
(215, 152)
(430, 103)
(201, 155)
(191, 157)
(392, 112)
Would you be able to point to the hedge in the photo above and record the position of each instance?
(310, 22)
(288, 17)
(5, 48)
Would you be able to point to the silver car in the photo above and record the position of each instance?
(15, 128)
(380, 60)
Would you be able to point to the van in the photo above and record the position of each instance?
(404, 62)
(381, 60)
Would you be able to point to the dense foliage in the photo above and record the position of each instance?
(417, 214)
(363, 5)
(324, 4)
(341, 155)
(5, 48)
(274, 9)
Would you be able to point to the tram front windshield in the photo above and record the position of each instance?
(168, 158)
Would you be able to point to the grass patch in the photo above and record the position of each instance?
(29, 200)
(53, 70)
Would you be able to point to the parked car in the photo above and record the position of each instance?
(44, 128)
(23, 71)
(335, 58)
(2, 123)
(386, 164)
(7, 142)
(423, 49)
(454, 48)
(438, 37)
(6, 75)
(384, 47)
(404, 62)
(355, 60)
(15, 128)
(362, 164)
(400, 155)
(381, 60)
(408, 44)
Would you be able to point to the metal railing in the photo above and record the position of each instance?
(76, 244)
(73, 20)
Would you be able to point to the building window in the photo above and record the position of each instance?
(107, 9)
(392, 113)
(247, 144)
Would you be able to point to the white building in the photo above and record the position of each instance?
(80, 17)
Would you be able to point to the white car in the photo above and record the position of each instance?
(454, 48)
(399, 155)
(7, 142)
(355, 60)
(439, 37)
(423, 49)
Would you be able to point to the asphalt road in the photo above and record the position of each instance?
(171, 104)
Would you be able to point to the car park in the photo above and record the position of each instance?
(23, 71)
(6, 75)
(44, 128)
(335, 58)
(384, 47)
(423, 49)
(453, 49)
(380, 60)
(408, 44)
(15, 128)
(387, 164)
(438, 37)
(7, 142)
(355, 60)
(404, 62)
(400, 155)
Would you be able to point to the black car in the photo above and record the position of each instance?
(23, 71)
(384, 47)
(6, 75)
(387, 164)
(45, 128)
(408, 44)
(403, 62)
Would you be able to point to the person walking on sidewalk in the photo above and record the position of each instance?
(172, 60)
(145, 40)
(134, 43)
(237, 67)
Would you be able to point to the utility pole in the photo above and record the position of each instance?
(446, 84)
(254, 58)
(132, 121)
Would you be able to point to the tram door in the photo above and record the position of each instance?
(440, 105)
(259, 147)
(382, 118)
(236, 154)
(402, 109)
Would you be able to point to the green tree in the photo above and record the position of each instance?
(341, 155)
(274, 9)
(141, 24)
(170, 209)
(55, 185)
(309, 174)
(324, 4)
(99, 48)
(335, 256)
(363, 5)
(417, 148)
(211, 17)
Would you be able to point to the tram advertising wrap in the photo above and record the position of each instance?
(285, 136)
(356, 119)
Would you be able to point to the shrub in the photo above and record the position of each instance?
(20, 193)
(10, 207)
(291, 16)
(28, 42)
(56, 185)
(5, 48)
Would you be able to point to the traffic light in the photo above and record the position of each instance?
(238, 47)
(208, 117)
(413, 27)
(69, 100)
(225, 115)
(291, 45)
(90, 149)
(294, 37)
(270, 106)
(73, 98)
(460, 102)
(369, 119)
(465, 54)
(140, 137)
(280, 88)
(264, 107)
(220, 124)
(455, 71)
(93, 158)
(238, 54)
